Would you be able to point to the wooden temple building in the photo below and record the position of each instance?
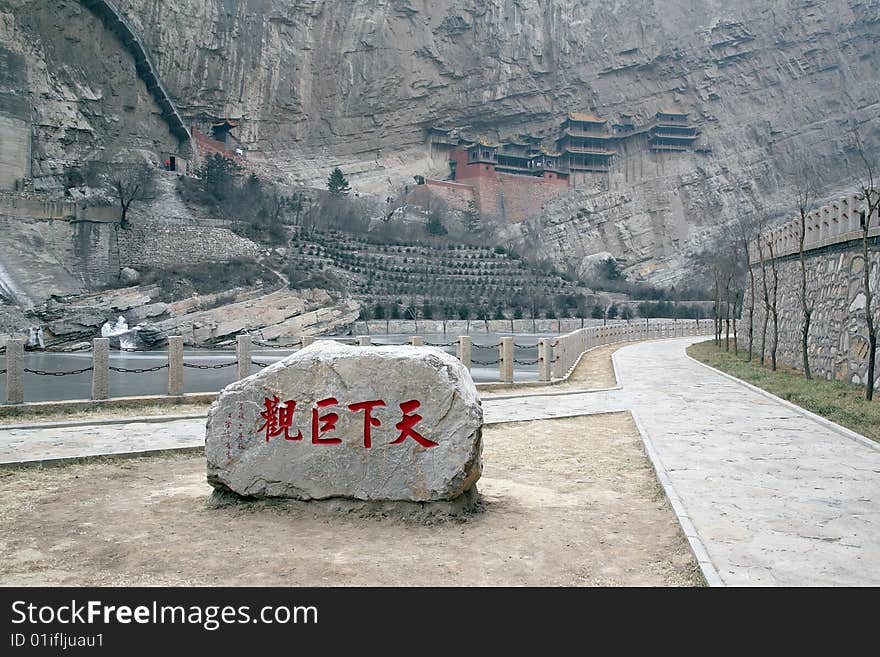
(214, 137)
(585, 144)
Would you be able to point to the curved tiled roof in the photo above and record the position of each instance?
(586, 118)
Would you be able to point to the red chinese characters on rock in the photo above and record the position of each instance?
(407, 424)
(278, 422)
(369, 420)
(279, 419)
(326, 423)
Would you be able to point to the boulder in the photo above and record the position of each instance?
(395, 423)
(129, 276)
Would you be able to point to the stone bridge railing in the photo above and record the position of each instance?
(834, 223)
(556, 357)
(119, 25)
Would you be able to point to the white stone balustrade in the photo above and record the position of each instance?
(839, 221)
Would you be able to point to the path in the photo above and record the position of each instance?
(775, 497)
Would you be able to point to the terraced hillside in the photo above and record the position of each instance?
(438, 280)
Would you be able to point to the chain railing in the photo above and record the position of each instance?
(556, 357)
(218, 366)
(269, 345)
(139, 370)
(62, 373)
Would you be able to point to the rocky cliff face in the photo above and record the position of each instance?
(78, 84)
(320, 83)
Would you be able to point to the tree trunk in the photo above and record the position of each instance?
(123, 219)
(766, 297)
(805, 333)
(774, 309)
(751, 312)
(869, 314)
(806, 309)
(717, 311)
(727, 316)
(736, 304)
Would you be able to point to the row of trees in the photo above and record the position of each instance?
(429, 309)
(732, 269)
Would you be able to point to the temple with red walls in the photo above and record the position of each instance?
(220, 141)
(512, 180)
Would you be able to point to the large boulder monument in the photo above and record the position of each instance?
(394, 423)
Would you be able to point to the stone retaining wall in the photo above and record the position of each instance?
(838, 344)
(161, 244)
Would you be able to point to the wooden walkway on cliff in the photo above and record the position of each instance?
(119, 25)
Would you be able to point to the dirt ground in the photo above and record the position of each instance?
(108, 413)
(595, 371)
(564, 502)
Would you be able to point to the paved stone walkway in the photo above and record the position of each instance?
(774, 496)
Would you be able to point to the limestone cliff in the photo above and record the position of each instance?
(319, 83)
(79, 89)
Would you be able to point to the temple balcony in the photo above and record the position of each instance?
(590, 168)
(586, 150)
(670, 147)
(588, 134)
(674, 125)
(673, 135)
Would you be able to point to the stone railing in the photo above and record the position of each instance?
(556, 357)
(834, 223)
(568, 349)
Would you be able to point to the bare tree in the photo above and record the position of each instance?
(716, 274)
(748, 229)
(805, 203)
(737, 308)
(128, 182)
(869, 194)
(728, 283)
(774, 308)
(765, 297)
(804, 200)
(727, 265)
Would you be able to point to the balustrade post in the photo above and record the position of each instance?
(175, 365)
(505, 357)
(15, 371)
(558, 359)
(243, 355)
(544, 355)
(100, 368)
(464, 350)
